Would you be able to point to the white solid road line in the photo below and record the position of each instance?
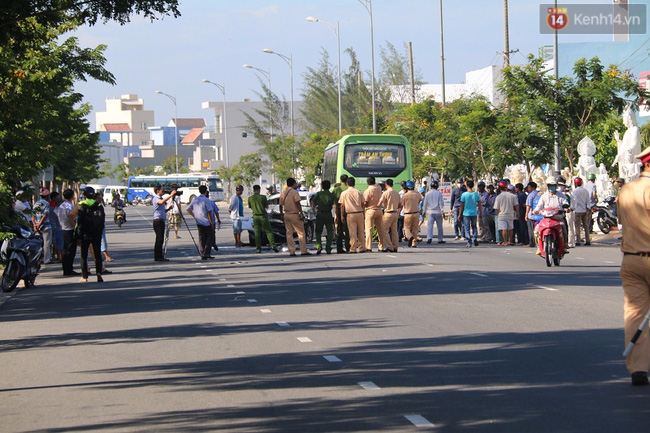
(419, 421)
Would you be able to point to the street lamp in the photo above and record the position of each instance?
(222, 87)
(267, 74)
(289, 61)
(368, 5)
(338, 48)
(173, 99)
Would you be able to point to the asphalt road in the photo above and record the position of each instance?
(438, 338)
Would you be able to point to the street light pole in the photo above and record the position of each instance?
(368, 5)
(267, 74)
(222, 87)
(289, 61)
(338, 51)
(173, 99)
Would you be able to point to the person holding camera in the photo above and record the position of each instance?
(201, 210)
(159, 221)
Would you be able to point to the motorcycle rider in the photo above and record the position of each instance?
(551, 199)
(568, 216)
(118, 204)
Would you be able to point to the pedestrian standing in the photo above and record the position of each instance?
(579, 204)
(372, 215)
(259, 204)
(410, 203)
(57, 234)
(293, 217)
(488, 214)
(471, 210)
(322, 203)
(201, 210)
(634, 214)
(400, 220)
(590, 186)
(90, 225)
(434, 205)
(390, 201)
(43, 224)
(531, 189)
(342, 233)
(455, 207)
(351, 202)
(175, 214)
(215, 219)
(159, 221)
(506, 208)
(520, 219)
(68, 223)
(236, 209)
(482, 229)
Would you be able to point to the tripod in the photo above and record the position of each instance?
(189, 231)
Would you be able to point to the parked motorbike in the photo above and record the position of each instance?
(21, 256)
(120, 216)
(551, 240)
(147, 201)
(604, 215)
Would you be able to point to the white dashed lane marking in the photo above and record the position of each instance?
(240, 293)
(304, 339)
(368, 385)
(478, 274)
(265, 310)
(252, 301)
(332, 358)
(419, 421)
(283, 324)
(551, 289)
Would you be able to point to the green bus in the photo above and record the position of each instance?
(361, 155)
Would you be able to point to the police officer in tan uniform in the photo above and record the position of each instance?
(634, 215)
(291, 214)
(351, 202)
(390, 200)
(371, 198)
(410, 203)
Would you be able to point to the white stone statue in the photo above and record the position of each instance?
(586, 162)
(539, 178)
(603, 184)
(630, 145)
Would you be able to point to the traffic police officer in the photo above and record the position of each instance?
(322, 204)
(342, 233)
(410, 203)
(258, 204)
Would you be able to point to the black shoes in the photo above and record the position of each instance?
(101, 280)
(306, 254)
(476, 242)
(442, 242)
(71, 273)
(160, 260)
(318, 251)
(640, 378)
(428, 241)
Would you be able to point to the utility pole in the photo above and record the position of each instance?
(506, 36)
(442, 55)
(411, 73)
(557, 76)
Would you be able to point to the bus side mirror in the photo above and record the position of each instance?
(318, 170)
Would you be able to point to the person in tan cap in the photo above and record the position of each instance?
(410, 202)
(634, 215)
(390, 200)
(373, 215)
(351, 202)
(291, 214)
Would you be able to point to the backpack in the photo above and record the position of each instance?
(90, 219)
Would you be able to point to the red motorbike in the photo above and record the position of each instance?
(550, 237)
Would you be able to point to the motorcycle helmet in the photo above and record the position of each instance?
(422, 189)
(402, 184)
(561, 180)
(577, 181)
(551, 181)
(481, 183)
(591, 176)
(503, 184)
(435, 184)
(410, 184)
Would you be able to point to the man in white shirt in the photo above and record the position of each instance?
(580, 204)
(434, 208)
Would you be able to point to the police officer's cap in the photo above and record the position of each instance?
(89, 191)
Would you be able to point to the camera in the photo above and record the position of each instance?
(167, 189)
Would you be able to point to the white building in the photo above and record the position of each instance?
(126, 120)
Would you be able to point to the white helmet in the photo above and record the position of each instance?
(551, 180)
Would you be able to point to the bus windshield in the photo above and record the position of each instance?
(215, 185)
(375, 159)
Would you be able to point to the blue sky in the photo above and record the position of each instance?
(213, 39)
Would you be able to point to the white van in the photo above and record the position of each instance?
(111, 190)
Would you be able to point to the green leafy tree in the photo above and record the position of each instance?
(250, 168)
(168, 165)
